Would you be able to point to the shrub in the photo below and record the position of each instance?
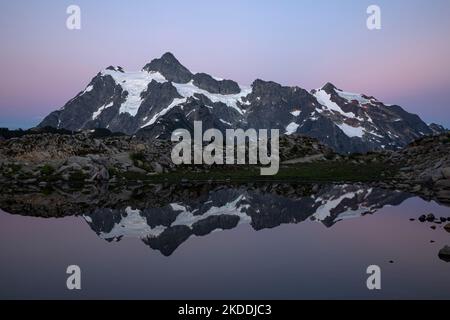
(47, 170)
(137, 156)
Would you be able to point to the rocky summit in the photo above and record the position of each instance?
(165, 96)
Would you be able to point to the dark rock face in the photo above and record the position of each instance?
(166, 96)
(206, 82)
(77, 113)
(208, 225)
(164, 126)
(437, 128)
(170, 68)
(169, 240)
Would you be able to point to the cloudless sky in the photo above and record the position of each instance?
(293, 42)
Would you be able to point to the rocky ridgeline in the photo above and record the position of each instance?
(165, 96)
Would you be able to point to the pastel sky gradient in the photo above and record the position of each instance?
(293, 42)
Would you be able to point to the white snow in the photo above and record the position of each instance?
(175, 102)
(133, 225)
(177, 207)
(291, 128)
(100, 110)
(353, 97)
(296, 113)
(226, 122)
(350, 214)
(375, 134)
(188, 90)
(327, 206)
(134, 83)
(351, 131)
(324, 99)
(187, 218)
(88, 89)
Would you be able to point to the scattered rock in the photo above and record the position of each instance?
(447, 227)
(430, 217)
(444, 254)
(433, 227)
(422, 218)
(442, 184)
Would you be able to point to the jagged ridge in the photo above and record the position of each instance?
(165, 96)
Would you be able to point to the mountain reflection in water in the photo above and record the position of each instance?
(252, 241)
(166, 228)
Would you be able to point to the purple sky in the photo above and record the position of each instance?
(304, 43)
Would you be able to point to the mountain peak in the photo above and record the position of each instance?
(329, 87)
(168, 58)
(170, 68)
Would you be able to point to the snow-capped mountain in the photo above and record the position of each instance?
(165, 95)
(165, 228)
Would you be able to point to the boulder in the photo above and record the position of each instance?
(444, 254)
(446, 172)
(157, 167)
(101, 175)
(443, 195)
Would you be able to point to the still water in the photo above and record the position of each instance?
(232, 243)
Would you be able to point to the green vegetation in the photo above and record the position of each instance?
(15, 168)
(307, 172)
(77, 176)
(47, 170)
(47, 190)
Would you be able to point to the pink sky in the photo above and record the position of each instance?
(300, 43)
